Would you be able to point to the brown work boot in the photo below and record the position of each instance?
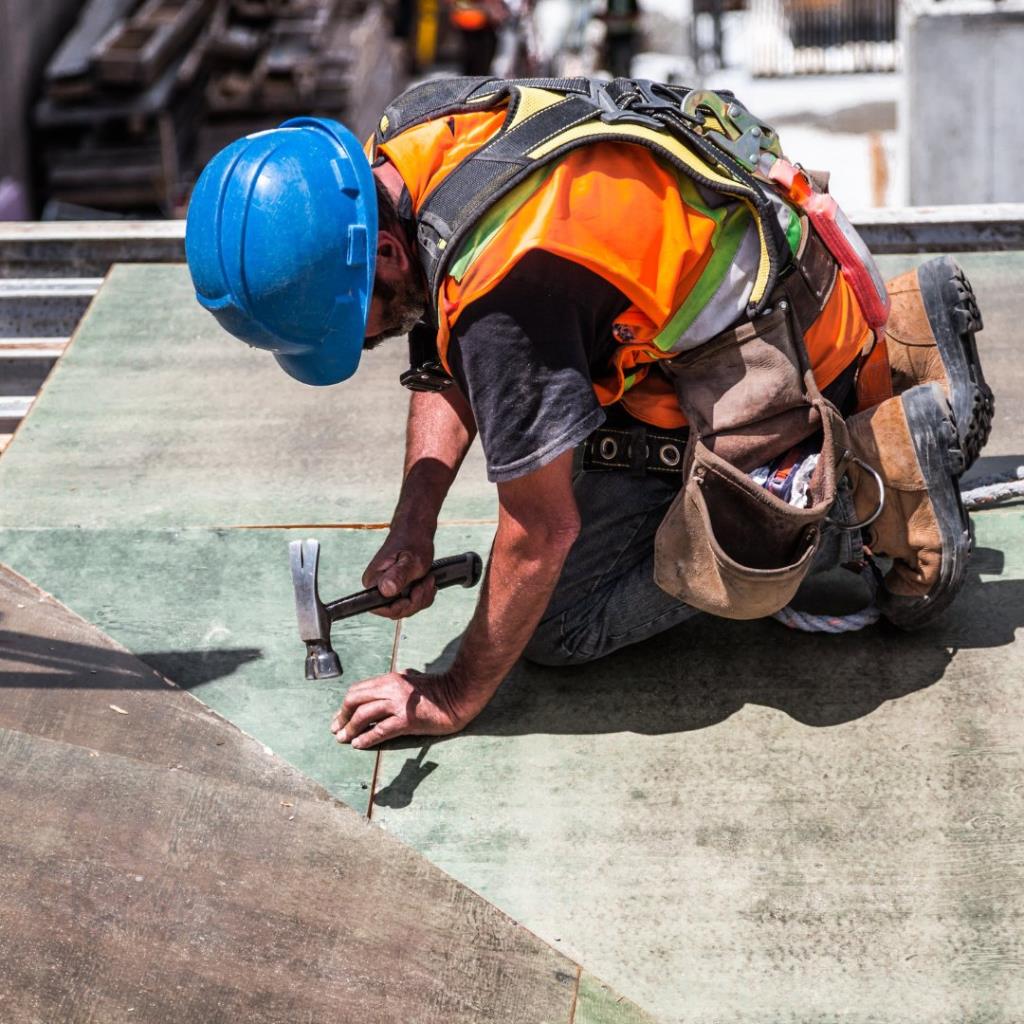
(912, 442)
(929, 339)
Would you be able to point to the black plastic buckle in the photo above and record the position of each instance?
(655, 97)
(612, 113)
(425, 373)
(427, 377)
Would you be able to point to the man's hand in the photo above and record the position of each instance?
(403, 558)
(408, 703)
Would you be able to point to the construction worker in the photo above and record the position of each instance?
(671, 344)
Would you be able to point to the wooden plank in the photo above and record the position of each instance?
(735, 822)
(68, 70)
(135, 892)
(135, 51)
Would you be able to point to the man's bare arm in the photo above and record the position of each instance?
(538, 523)
(439, 431)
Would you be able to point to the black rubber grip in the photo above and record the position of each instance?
(464, 569)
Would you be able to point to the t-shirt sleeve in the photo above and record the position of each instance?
(523, 353)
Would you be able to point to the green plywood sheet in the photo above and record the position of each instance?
(157, 418)
(733, 823)
(596, 1003)
(213, 611)
(741, 823)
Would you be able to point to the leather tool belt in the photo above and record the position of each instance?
(639, 450)
(727, 545)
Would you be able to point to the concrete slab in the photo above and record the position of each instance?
(160, 866)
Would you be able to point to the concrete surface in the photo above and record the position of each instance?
(159, 865)
(961, 103)
(734, 823)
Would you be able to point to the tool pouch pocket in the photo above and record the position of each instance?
(726, 545)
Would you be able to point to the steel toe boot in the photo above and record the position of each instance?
(930, 339)
(913, 442)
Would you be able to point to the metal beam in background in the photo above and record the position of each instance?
(86, 248)
(89, 248)
(993, 227)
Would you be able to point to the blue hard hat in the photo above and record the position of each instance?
(281, 240)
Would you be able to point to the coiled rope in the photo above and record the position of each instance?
(985, 494)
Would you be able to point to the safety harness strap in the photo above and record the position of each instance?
(545, 120)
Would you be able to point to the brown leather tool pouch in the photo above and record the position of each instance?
(726, 545)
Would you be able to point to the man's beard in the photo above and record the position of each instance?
(402, 308)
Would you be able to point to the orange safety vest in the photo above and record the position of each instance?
(617, 210)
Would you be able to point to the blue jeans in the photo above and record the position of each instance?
(606, 597)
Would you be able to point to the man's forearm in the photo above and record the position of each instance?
(524, 569)
(439, 431)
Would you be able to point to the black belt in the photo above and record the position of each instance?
(637, 450)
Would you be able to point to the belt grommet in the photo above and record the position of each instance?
(608, 448)
(669, 455)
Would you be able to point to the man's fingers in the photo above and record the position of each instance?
(376, 567)
(421, 596)
(359, 694)
(397, 576)
(386, 730)
(363, 717)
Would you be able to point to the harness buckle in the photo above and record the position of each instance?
(612, 113)
(426, 377)
(743, 136)
(425, 373)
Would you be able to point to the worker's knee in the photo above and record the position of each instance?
(549, 646)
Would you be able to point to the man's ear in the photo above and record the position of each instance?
(391, 253)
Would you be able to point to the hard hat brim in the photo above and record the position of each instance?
(322, 368)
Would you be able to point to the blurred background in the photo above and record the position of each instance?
(109, 108)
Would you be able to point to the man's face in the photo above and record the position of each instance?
(399, 298)
(396, 308)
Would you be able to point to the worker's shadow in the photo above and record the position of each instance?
(702, 672)
(37, 662)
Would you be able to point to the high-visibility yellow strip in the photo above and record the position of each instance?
(638, 133)
(662, 140)
(533, 101)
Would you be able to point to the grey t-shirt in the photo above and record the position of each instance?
(525, 355)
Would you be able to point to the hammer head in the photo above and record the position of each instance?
(322, 662)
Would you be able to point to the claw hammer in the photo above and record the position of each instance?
(315, 617)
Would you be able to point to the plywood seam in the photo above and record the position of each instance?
(575, 994)
(346, 526)
(379, 752)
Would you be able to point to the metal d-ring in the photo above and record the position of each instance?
(669, 455)
(850, 527)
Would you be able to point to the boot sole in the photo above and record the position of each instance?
(955, 318)
(936, 437)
